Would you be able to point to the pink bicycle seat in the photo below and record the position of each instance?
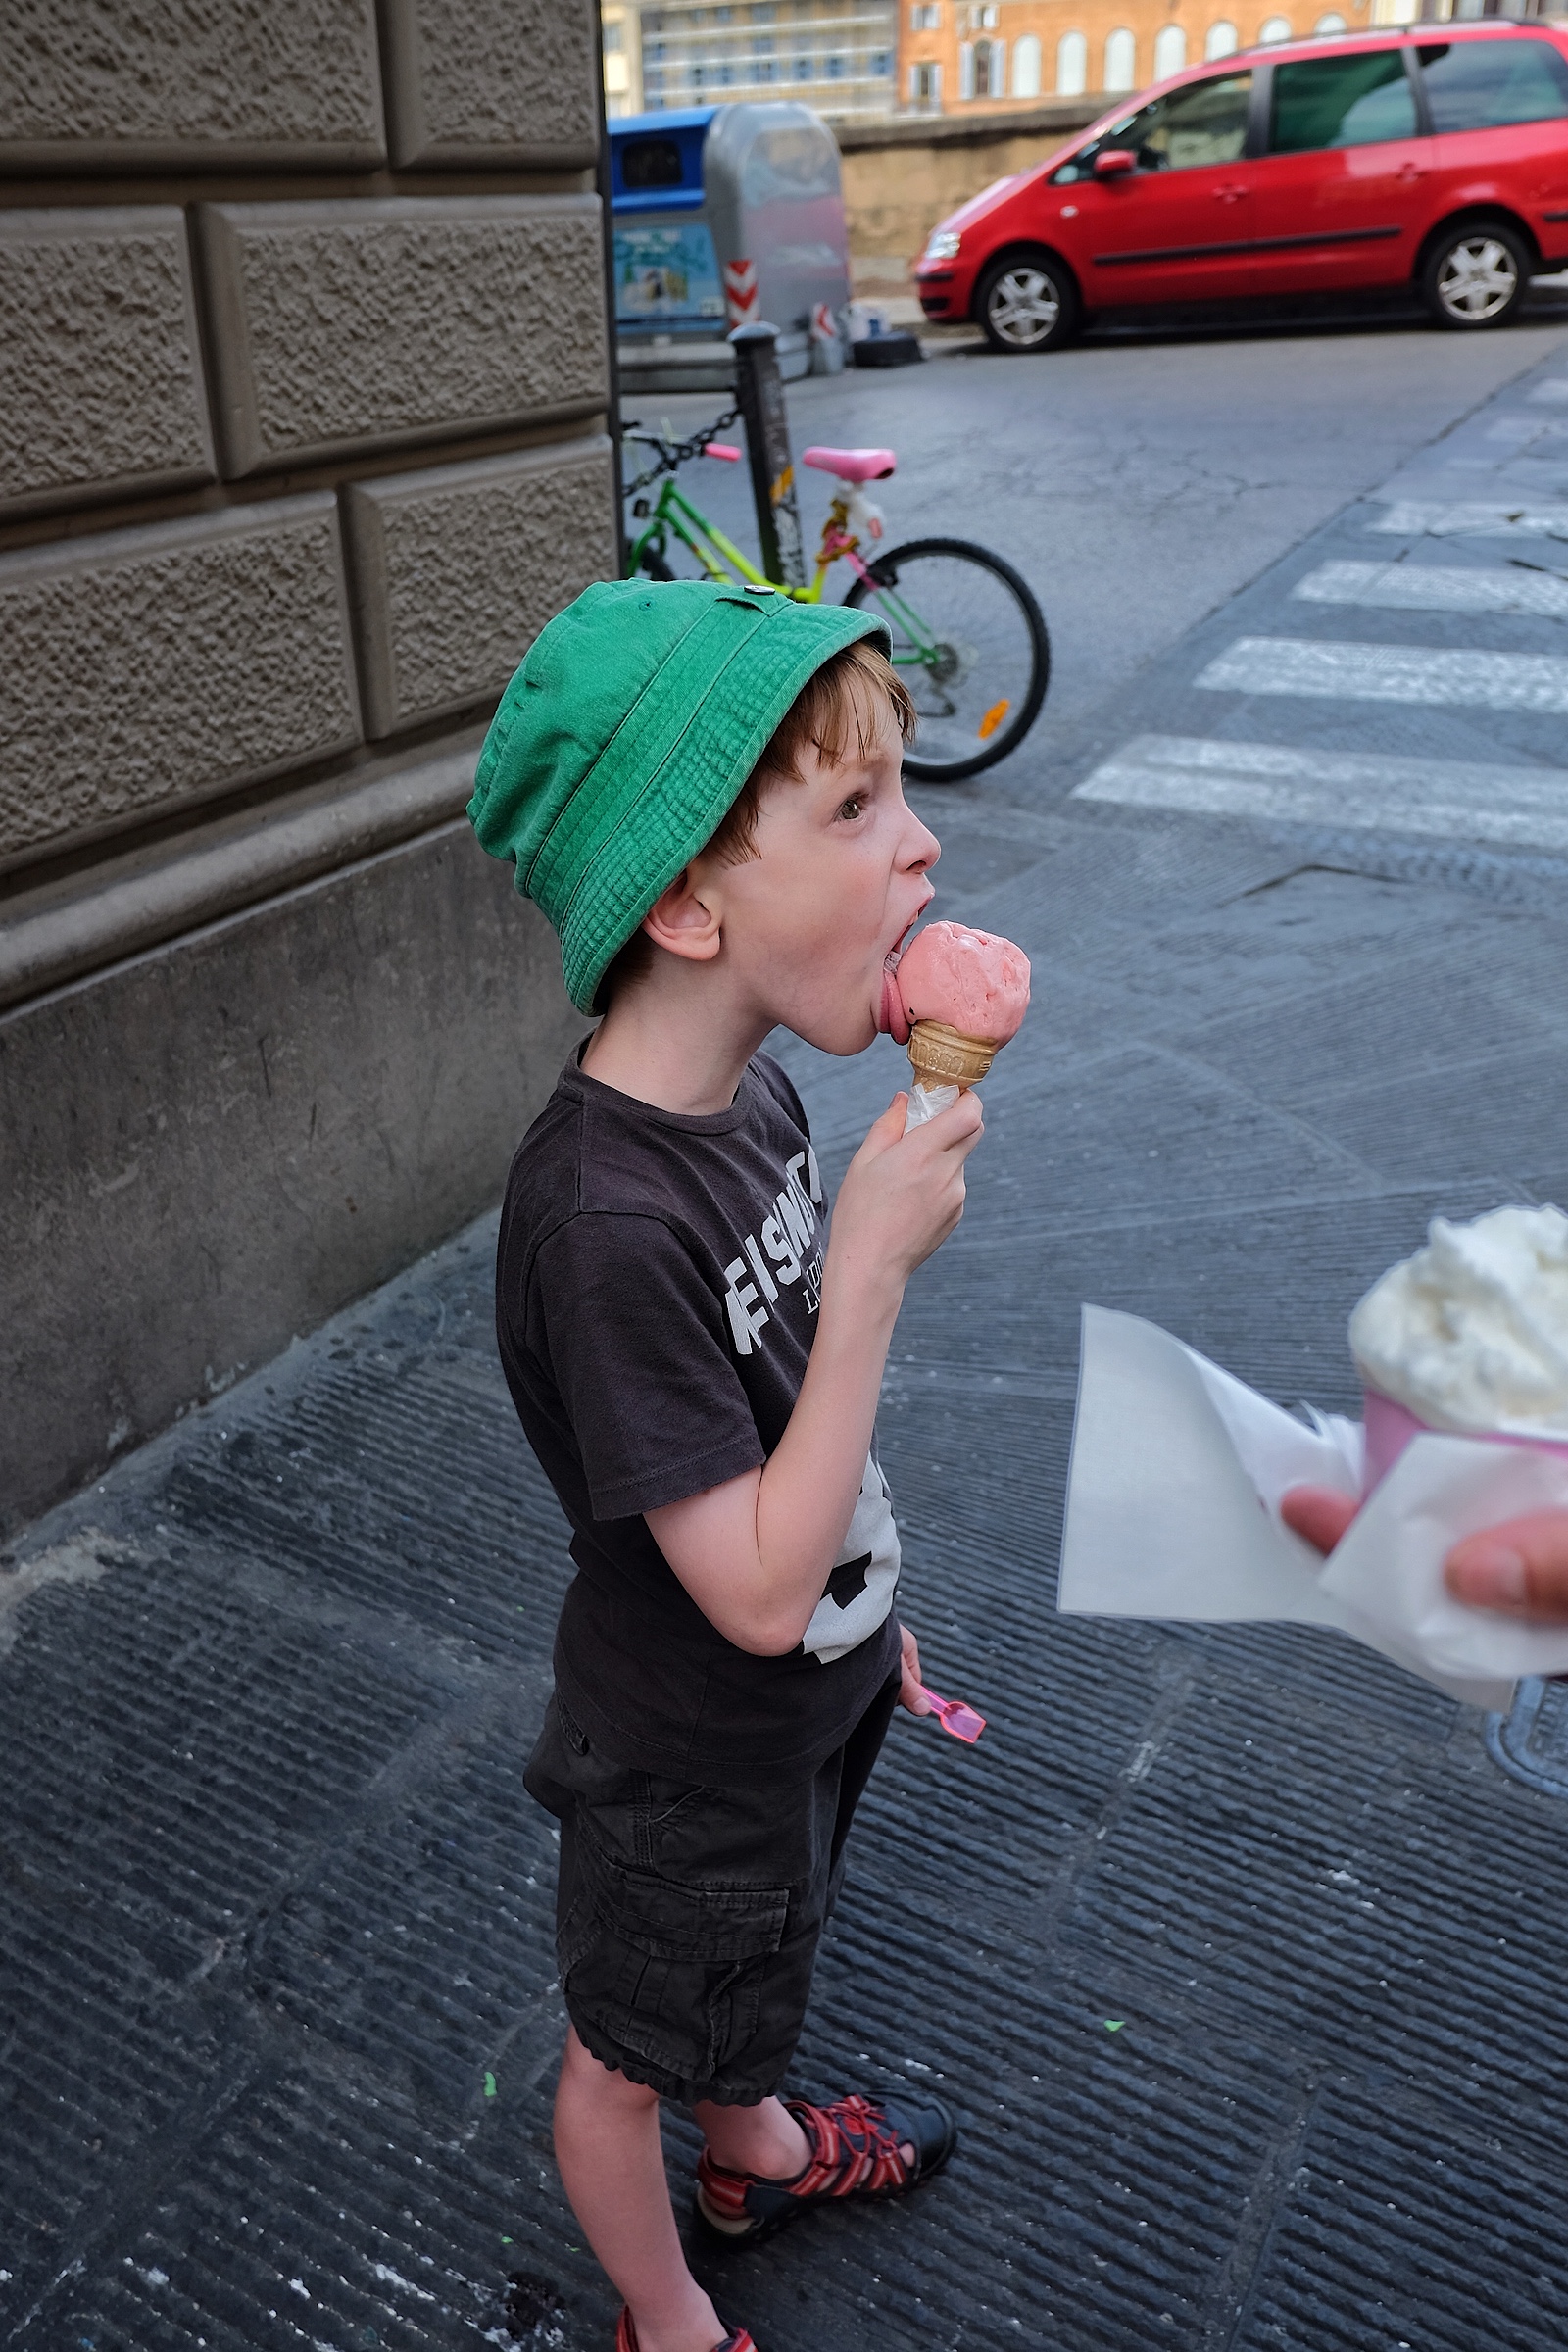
(852, 465)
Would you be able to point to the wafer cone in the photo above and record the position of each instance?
(944, 1056)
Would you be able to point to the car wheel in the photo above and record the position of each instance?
(1475, 276)
(1028, 303)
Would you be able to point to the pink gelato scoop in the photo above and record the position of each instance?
(972, 981)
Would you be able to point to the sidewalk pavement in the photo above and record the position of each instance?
(1239, 1955)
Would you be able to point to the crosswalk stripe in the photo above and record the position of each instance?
(1439, 588)
(1473, 518)
(1519, 431)
(1524, 807)
(1390, 673)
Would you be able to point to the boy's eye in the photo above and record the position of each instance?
(852, 806)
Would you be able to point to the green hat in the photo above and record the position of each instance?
(625, 738)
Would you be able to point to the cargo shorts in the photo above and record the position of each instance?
(688, 1918)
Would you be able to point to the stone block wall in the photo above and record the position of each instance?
(87, 85)
(342, 329)
(442, 599)
(100, 368)
(304, 382)
(487, 78)
(149, 669)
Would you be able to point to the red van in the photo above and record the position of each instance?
(1434, 157)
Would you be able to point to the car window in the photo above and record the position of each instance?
(1203, 124)
(1484, 85)
(1341, 102)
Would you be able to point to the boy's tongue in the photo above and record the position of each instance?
(890, 1020)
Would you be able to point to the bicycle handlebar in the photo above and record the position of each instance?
(672, 455)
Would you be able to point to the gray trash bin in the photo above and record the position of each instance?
(700, 192)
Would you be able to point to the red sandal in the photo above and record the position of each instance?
(857, 2151)
(626, 2337)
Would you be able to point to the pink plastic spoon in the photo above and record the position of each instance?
(955, 1717)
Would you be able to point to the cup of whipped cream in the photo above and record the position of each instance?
(1469, 1337)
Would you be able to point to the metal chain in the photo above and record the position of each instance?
(677, 455)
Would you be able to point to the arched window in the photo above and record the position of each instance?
(1026, 66)
(1274, 28)
(1072, 66)
(989, 69)
(1121, 60)
(1221, 39)
(1170, 51)
(1332, 23)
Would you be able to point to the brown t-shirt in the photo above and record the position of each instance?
(657, 1287)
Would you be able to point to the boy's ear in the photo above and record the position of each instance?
(684, 921)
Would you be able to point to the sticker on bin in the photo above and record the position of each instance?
(742, 297)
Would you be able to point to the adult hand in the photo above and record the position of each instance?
(1520, 1566)
(1319, 1513)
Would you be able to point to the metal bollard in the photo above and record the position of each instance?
(760, 392)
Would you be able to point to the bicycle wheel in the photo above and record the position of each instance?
(970, 642)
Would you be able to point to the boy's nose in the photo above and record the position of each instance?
(924, 851)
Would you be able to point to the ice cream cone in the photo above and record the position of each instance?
(944, 1056)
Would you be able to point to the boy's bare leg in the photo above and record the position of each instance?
(612, 2168)
(765, 2139)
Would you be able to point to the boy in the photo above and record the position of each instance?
(701, 787)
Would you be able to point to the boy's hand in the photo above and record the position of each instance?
(910, 1695)
(756, 1553)
(903, 1195)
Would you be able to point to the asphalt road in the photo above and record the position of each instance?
(1139, 478)
(1237, 1950)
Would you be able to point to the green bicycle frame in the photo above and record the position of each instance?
(674, 514)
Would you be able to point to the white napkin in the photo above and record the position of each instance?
(1173, 1511)
(925, 1101)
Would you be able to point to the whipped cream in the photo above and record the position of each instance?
(1471, 1333)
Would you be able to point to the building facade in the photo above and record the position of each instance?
(620, 33)
(988, 54)
(304, 371)
(837, 56)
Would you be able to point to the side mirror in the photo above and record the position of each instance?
(1114, 163)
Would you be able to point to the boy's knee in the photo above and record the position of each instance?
(584, 2076)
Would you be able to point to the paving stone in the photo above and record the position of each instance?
(1409, 2228)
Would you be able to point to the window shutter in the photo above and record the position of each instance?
(967, 68)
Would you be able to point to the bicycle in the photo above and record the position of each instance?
(968, 636)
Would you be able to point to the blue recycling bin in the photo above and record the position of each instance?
(696, 190)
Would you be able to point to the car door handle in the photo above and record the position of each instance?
(1412, 171)
(1229, 195)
